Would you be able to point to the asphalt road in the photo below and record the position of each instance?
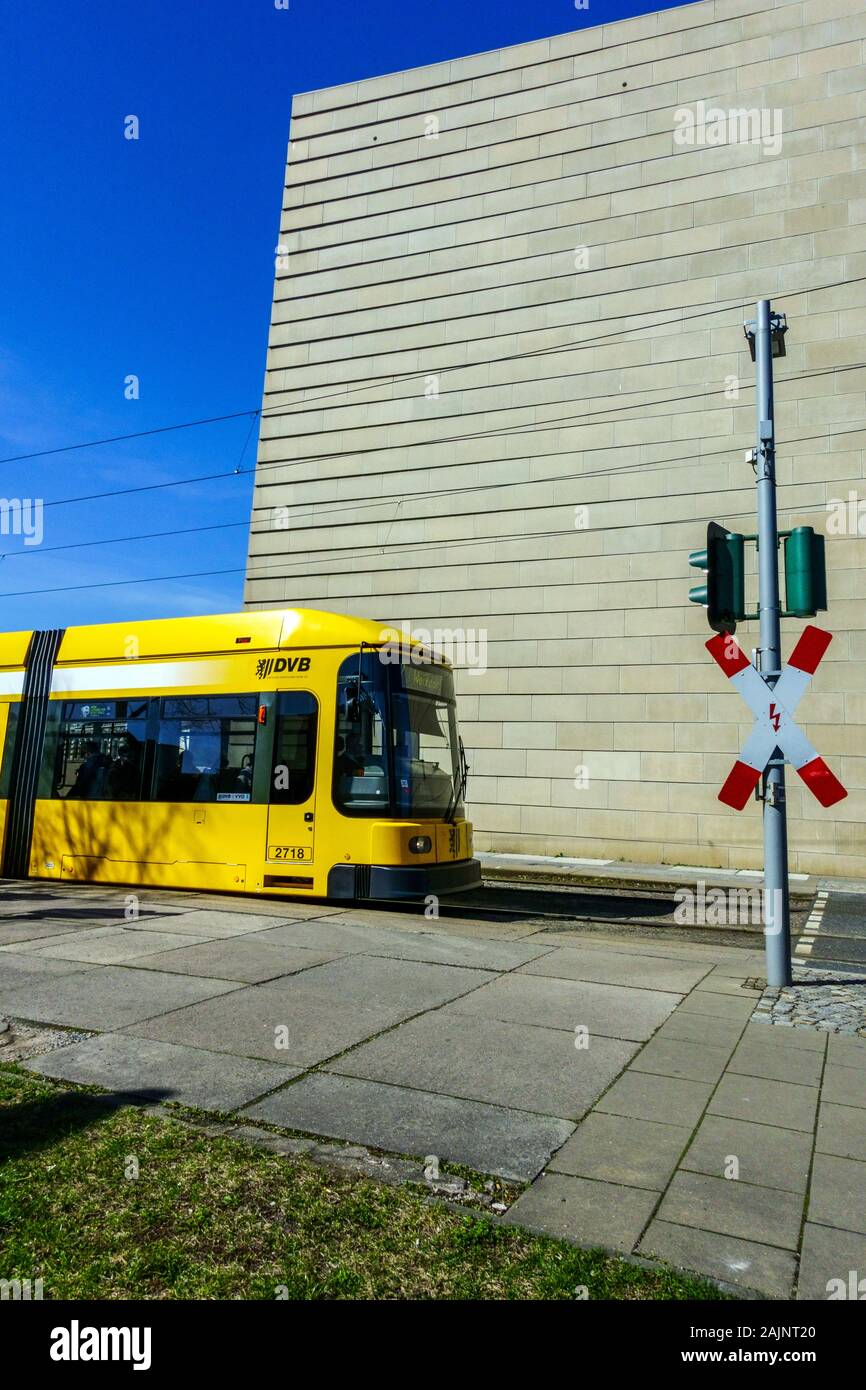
(841, 937)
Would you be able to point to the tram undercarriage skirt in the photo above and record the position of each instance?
(403, 882)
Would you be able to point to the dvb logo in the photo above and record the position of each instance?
(279, 665)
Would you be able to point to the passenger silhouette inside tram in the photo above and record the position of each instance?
(89, 782)
(124, 774)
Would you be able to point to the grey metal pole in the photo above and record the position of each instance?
(777, 921)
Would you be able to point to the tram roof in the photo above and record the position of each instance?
(252, 630)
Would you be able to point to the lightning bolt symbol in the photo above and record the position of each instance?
(775, 719)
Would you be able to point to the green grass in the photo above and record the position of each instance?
(216, 1218)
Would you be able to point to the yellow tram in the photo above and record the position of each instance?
(287, 751)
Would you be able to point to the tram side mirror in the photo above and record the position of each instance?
(357, 700)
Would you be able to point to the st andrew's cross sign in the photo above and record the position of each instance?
(773, 707)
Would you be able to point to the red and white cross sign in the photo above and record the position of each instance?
(773, 708)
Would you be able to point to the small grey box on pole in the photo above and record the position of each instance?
(777, 914)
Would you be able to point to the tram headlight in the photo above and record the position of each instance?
(420, 844)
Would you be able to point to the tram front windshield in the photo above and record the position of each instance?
(397, 748)
(426, 749)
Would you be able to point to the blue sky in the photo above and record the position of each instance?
(155, 258)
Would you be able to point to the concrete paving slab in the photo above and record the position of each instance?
(831, 1255)
(15, 932)
(481, 953)
(405, 920)
(598, 940)
(845, 1051)
(718, 1005)
(583, 1210)
(616, 968)
(767, 1156)
(844, 1086)
(498, 930)
(340, 935)
(777, 1063)
(242, 958)
(58, 935)
(304, 1019)
(108, 945)
(24, 977)
(12, 888)
(508, 1064)
(284, 909)
(89, 919)
(506, 1143)
(837, 1195)
(403, 985)
(727, 984)
(740, 964)
(163, 1071)
(22, 969)
(292, 908)
(273, 1021)
(676, 1057)
(34, 906)
(105, 997)
(842, 1132)
(766, 1215)
(606, 1010)
(799, 1039)
(767, 1102)
(762, 1268)
(205, 922)
(613, 1148)
(165, 900)
(663, 1098)
(450, 922)
(179, 925)
(716, 1032)
(436, 947)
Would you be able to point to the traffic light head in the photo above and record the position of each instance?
(723, 595)
(805, 573)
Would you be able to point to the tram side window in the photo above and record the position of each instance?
(206, 748)
(9, 748)
(294, 749)
(8, 751)
(100, 750)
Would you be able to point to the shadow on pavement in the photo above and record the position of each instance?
(84, 914)
(35, 1124)
(566, 903)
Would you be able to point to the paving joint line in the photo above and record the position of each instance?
(691, 1136)
(807, 1196)
(318, 1067)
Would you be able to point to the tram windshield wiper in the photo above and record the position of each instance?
(459, 786)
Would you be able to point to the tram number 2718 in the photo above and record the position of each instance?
(291, 852)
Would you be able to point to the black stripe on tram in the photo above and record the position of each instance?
(27, 757)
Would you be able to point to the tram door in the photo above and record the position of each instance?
(292, 806)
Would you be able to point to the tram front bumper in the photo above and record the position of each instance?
(403, 882)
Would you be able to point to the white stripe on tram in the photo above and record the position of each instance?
(135, 676)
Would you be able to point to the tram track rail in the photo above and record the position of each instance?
(606, 910)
